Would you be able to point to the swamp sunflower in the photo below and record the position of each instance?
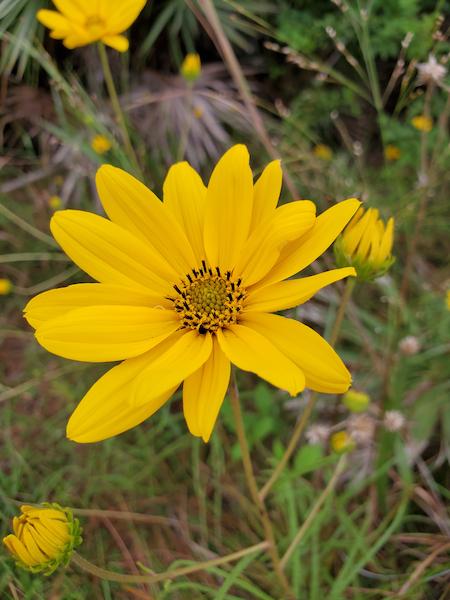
(185, 288)
(82, 22)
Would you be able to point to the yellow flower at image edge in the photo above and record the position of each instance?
(82, 22)
(186, 287)
(366, 244)
(44, 537)
(5, 286)
(100, 144)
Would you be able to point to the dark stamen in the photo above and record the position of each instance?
(177, 289)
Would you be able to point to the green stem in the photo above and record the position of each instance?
(299, 428)
(123, 578)
(253, 488)
(116, 105)
(316, 508)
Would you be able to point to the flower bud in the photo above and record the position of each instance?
(393, 420)
(356, 401)
(44, 538)
(191, 67)
(366, 244)
(5, 286)
(100, 144)
(341, 442)
(409, 345)
(422, 123)
(323, 152)
(392, 152)
(54, 202)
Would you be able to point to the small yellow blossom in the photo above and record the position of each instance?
(191, 67)
(100, 144)
(84, 21)
(5, 286)
(341, 442)
(44, 537)
(366, 244)
(323, 152)
(198, 112)
(54, 202)
(422, 123)
(392, 152)
(356, 401)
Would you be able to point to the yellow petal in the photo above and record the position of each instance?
(251, 351)
(118, 42)
(109, 253)
(49, 549)
(266, 193)
(287, 294)
(204, 391)
(106, 333)
(301, 252)
(130, 204)
(30, 544)
(386, 243)
(53, 303)
(53, 20)
(123, 15)
(175, 359)
(263, 247)
(323, 369)
(74, 10)
(106, 411)
(185, 198)
(17, 549)
(229, 205)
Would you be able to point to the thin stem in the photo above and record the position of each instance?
(188, 124)
(116, 105)
(31, 256)
(253, 488)
(301, 424)
(40, 235)
(123, 578)
(315, 509)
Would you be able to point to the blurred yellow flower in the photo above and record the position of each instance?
(422, 123)
(5, 286)
(366, 244)
(100, 144)
(82, 22)
(187, 287)
(448, 299)
(356, 401)
(323, 152)
(392, 152)
(54, 202)
(191, 67)
(44, 537)
(341, 442)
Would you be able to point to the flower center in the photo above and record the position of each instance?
(208, 300)
(95, 25)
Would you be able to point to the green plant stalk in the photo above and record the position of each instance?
(316, 508)
(299, 428)
(39, 235)
(116, 105)
(123, 578)
(253, 488)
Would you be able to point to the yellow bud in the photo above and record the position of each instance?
(356, 402)
(422, 123)
(323, 152)
(366, 244)
(44, 537)
(341, 442)
(54, 202)
(392, 152)
(191, 67)
(5, 286)
(100, 144)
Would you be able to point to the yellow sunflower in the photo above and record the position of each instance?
(186, 287)
(82, 22)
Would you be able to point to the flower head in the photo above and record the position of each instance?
(54, 202)
(366, 244)
(186, 287)
(82, 22)
(422, 123)
(191, 67)
(431, 71)
(5, 286)
(356, 401)
(100, 144)
(341, 442)
(392, 152)
(323, 152)
(44, 537)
